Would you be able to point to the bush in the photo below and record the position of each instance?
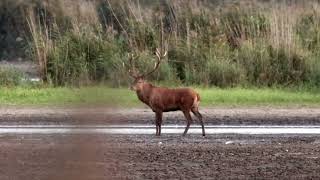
(308, 31)
(210, 67)
(313, 73)
(10, 76)
(268, 66)
(81, 59)
(240, 25)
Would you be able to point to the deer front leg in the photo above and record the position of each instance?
(158, 123)
(157, 129)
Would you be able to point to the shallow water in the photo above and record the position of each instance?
(150, 129)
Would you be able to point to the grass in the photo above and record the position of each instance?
(121, 97)
(258, 97)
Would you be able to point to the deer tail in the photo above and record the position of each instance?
(198, 97)
(196, 101)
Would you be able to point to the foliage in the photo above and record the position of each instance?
(225, 44)
(10, 77)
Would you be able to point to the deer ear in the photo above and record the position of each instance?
(141, 77)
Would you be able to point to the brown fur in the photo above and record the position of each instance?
(162, 99)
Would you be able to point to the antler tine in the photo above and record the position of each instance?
(132, 70)
(165, 53)
(160, 56)
(158, 53)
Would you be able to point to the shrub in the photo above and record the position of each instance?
(308, 31)
(81, 59)
(313, 73)
(266, 65)
(240, 25)
(10, 76)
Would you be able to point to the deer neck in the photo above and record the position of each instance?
(145, 92)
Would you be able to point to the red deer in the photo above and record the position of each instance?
(162, 99)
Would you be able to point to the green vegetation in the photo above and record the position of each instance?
(119, 97)
(211, 43)
(10, 77)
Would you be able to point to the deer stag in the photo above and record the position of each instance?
(162, 99)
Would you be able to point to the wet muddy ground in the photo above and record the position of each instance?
(106, 156)
(212, 116)
(149, 157)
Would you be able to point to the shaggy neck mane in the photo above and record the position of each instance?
(144, 93)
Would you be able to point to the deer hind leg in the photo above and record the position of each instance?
(189, 120)
(158, 123)
(196, 112)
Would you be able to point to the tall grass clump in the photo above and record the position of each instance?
(41, 44)
(78, 55)
(266, 65)
(78, 59)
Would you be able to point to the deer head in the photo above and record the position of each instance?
(139, 78)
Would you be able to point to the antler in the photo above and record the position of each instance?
(132, 70)
(160, 53)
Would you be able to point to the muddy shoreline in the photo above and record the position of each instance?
(106, 116)
(98, 157)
